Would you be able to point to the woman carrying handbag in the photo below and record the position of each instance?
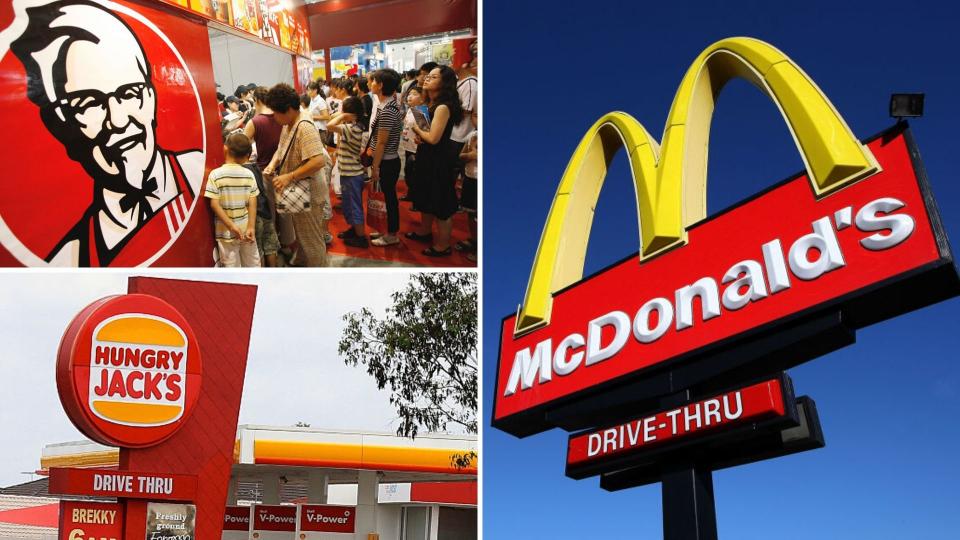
(295, 169)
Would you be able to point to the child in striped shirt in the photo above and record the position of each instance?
(232, 190)
(349, 126)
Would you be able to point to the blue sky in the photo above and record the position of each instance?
(888, 404)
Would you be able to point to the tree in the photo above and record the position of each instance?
(424, 350)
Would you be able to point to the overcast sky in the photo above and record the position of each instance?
(293, 372)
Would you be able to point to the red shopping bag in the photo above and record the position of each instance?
(376, 209)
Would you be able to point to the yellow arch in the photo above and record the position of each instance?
(671, 183)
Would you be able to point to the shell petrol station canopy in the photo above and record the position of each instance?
(292, 450)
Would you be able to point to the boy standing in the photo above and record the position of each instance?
(232, 190)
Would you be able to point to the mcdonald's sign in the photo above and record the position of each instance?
(857, 234)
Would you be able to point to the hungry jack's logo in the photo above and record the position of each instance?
(138, 366)
(129, 370)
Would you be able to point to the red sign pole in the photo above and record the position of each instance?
(203, 447)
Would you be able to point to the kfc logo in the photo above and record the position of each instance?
(104, 82)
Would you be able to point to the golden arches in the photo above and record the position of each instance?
(671, 182)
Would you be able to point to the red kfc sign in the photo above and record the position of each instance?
(110, 94)
(82, 520)
(129, 370)
(325, 518)
(783, 254)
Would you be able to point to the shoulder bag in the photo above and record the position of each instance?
(295, 198)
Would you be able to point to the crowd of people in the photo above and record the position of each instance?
(293, 160)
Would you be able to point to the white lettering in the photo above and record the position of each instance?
(711, 409)
(113, 482)
(591, 449)
(609, 440)
(747, 281)
(633, 433)
(776, 266)
(648, 427)
(726, 407)
(823, 239)
(562, 366)
(690, 417)
(672, 415)
(752, 278)
(900, 226)
(526, 366)
(620, 322)
(706, 289)
(641, 324)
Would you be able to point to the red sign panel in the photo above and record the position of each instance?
(115, 483)
(129, 370)
(236, 518)
(723, 411)
(782, 253)
(80, 520)
(274, 518)
(325, 518)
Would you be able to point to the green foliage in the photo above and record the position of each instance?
(424, 351)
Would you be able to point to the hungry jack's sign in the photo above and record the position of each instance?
(129, 370)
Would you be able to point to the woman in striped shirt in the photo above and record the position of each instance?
(385, 146)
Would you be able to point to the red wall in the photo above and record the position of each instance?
(349, 22)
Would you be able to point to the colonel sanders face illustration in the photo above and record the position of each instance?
(90, 77)
(93, 89)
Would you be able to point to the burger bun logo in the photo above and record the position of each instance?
(129, 370)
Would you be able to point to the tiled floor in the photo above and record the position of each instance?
(407, 253)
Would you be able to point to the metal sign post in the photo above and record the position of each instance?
(689, 512)
(688, 508)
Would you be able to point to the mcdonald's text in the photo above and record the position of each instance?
(883, 221)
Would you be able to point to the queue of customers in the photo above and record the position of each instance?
(285, 153)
